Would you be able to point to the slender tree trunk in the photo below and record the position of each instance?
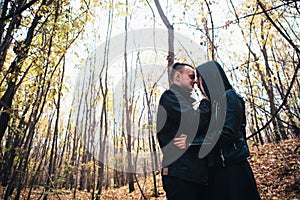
(253, 119)
(278, 126)
(210, 33)
(14, 23)
(170, 28)
(7, 98)
(128, 111)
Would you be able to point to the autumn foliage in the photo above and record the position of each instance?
(276, 168)
(55, 125)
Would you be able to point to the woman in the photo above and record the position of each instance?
(230, 176)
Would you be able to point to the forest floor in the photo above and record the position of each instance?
(276, 167)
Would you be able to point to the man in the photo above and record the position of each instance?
(184, 175)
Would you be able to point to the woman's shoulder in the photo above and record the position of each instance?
(232, 95)
(234, 99)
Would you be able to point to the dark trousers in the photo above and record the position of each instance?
(180, 189)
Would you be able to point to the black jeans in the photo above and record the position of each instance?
(180, 189)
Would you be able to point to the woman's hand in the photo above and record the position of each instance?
(180, 141)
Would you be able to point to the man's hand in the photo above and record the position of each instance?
(180, 141)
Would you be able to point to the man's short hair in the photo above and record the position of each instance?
(178, 67)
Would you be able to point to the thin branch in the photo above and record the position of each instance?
(162, 15)
(277, 28)
(212, 38)
(18, 12)
(235, 20)
(154, 20)
(282, 104)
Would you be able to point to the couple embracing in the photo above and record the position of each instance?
(201, 131)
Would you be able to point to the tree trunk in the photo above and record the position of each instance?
(170, 28)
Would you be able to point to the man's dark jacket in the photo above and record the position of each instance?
(176, 116)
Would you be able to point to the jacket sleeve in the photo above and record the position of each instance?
(204, 111)
(168, 116)
(205, 114)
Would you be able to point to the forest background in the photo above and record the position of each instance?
(79, 88)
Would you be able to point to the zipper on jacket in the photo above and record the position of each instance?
(222, 157)
(216, 108)
(234, 145)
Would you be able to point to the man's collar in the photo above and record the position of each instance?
(181, 90)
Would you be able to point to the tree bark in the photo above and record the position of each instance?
(170, 28)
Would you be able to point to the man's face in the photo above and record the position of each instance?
(186, 78)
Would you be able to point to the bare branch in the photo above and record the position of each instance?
(18, 12)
